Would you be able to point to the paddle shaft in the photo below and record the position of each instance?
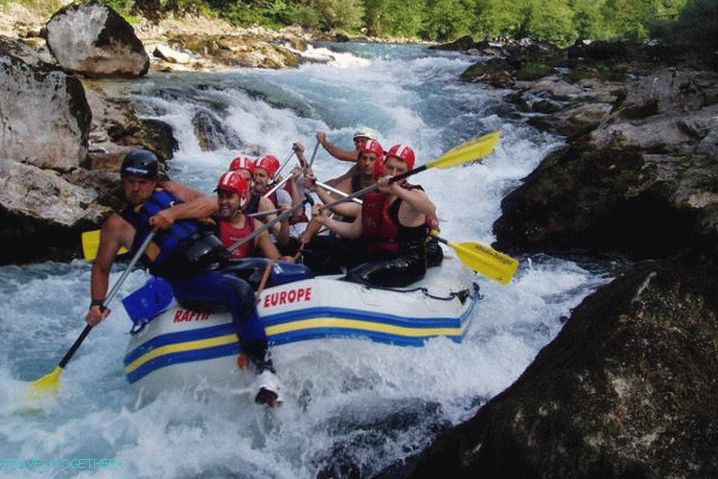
(314, 154)
(265, 227)
(375, 186)
(263, 213)
(339, 192)
(283, 165)
(276, 187)
(113, 292)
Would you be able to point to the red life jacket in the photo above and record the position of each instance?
(229, 234)
(378, 228)
(381, 228)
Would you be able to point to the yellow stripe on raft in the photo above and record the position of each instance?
(362, 326)
(181, 347)
(298, 326)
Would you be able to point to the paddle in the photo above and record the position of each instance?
(472, 150)
(314, 154)
(276, 187)
(50, 383)
(91, 242)
(484, 259)
(334, 190)
(276, 173)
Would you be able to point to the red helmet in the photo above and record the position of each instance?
(242, 163)
(404, 153)
(235, 182)
(378, 168)
(268, 163)
(372, 146)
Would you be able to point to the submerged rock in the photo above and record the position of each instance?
(96, 41)
(627, 389)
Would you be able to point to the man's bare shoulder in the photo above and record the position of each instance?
(117, 230)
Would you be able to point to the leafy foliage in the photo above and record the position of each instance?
(558, 21)
(696, 25)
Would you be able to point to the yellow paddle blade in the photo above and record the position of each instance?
(472, 150)
(47, 385)
(91, 243)
(486, 260)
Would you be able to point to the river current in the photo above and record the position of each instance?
(352, 407)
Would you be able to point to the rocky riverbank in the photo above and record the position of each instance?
(66, 121)
(627, 388)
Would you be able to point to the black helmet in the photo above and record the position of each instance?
(142, 163)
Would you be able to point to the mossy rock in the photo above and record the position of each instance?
(474, 72)
(533, 71)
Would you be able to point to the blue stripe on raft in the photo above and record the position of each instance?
(292, 336)
(183, 357)
(373, 317)
(180, 337)
(302, 314)
(316, 333)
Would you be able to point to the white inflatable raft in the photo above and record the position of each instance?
(182, 348)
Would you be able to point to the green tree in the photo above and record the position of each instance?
(394, 17)
(550, 21)
(339, 14)
(449, 19)
(696, 25)
(499, 19)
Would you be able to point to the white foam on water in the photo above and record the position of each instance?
(348, 403)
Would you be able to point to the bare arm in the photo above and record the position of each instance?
(265, 243)
(338, 153)
(115, 233)
(418, 200)
(351, 230)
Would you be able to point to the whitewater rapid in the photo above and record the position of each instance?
(351, 407)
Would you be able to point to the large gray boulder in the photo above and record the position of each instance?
(628, 389)
(41, 213)
(44, 116)
(96, 41)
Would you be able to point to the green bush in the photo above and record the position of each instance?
(696, 25)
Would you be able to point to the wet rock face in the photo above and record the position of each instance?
(612, 201)
(627, 389)
(45, 118)
(97, 42)
(639, 176)
(41, 213)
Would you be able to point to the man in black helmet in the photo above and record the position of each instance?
(173, 210)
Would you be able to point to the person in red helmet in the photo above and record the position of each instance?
(265, 177)
(181, 252)
(392, 226)
(369, 152)
(245, 165)
(233, 225)
(361, 136)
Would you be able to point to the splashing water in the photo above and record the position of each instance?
(352, 407)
